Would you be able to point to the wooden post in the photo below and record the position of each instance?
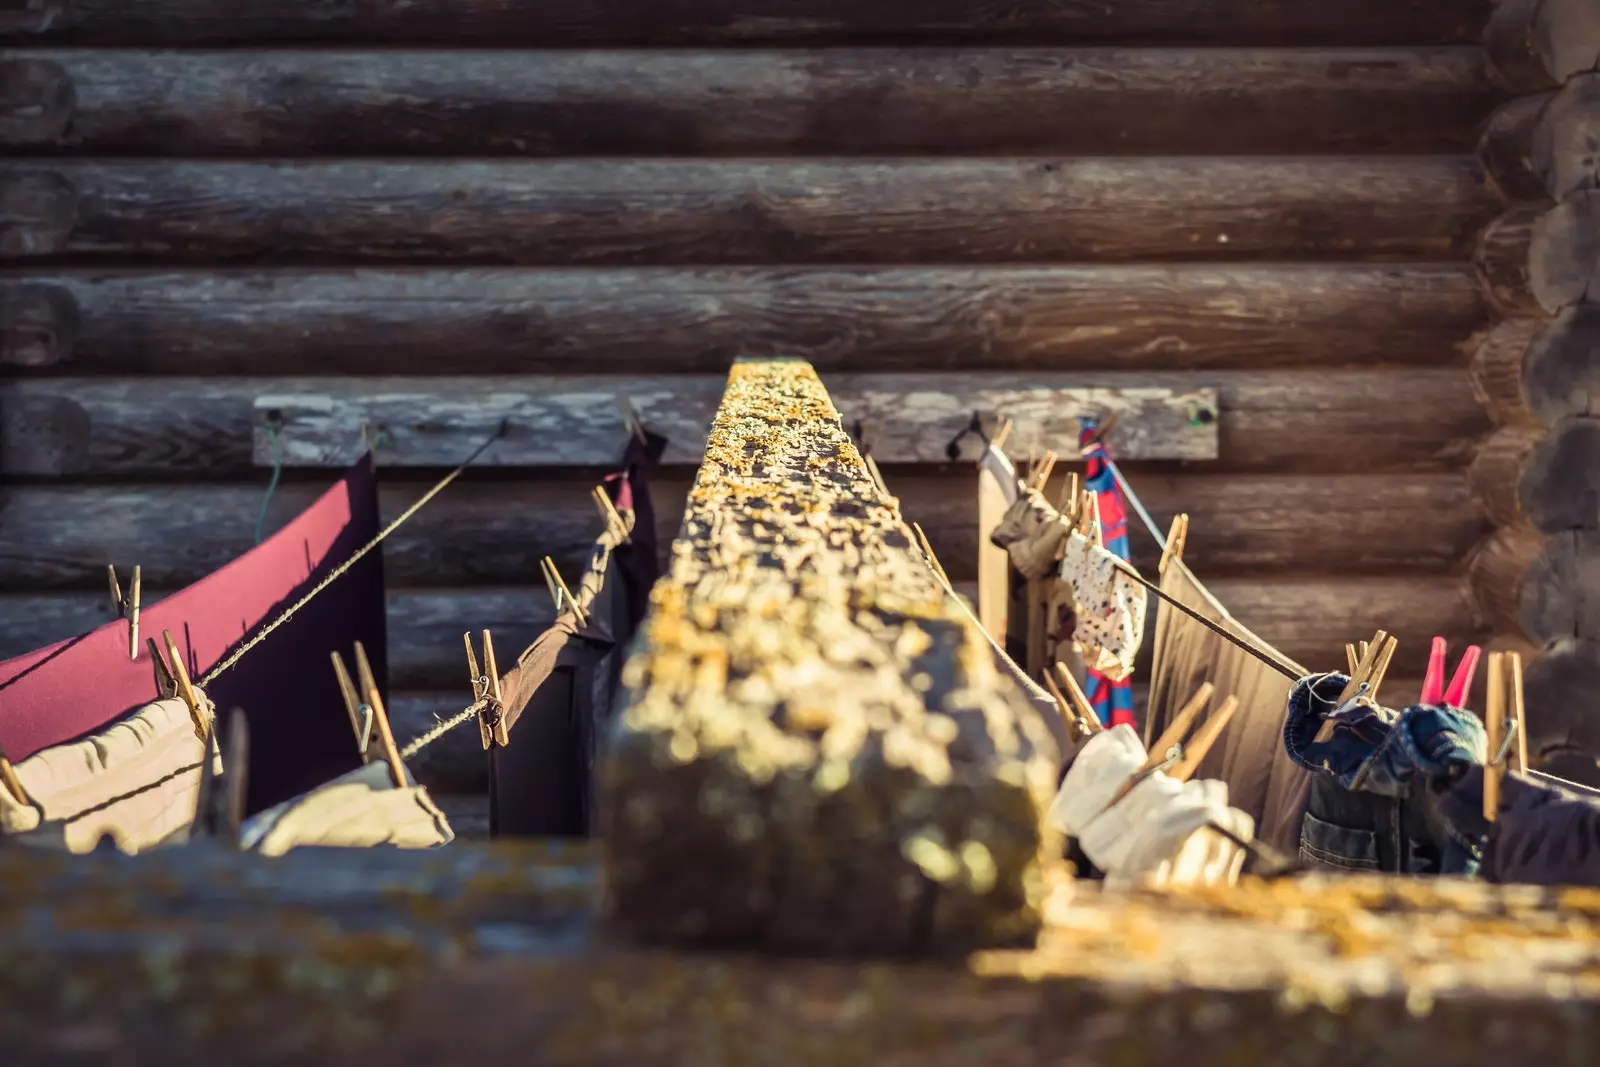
(1538, 475)
(785, 772)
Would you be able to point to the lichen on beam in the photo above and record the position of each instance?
(816, 751)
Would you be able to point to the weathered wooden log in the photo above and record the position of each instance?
(1308, 617)
(891, 318)
(486, 530)
(1506, 148)
(692, 211)
(1541, 588)
(362, 958)
(1562, 152)
(1498, 370)
(1561, 373)
(1564, 255)
(1539, 44)
(38, 211)
(1307, 422)
(36, 100)
(1501, 259)
(1563, 729)
(915, 418)
(1548, 481)
(751, 103)
(765, 787)
(619, 22)
(38, 325)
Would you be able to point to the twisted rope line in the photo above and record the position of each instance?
(417, 744)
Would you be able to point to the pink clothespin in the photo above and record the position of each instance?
(1433, 689)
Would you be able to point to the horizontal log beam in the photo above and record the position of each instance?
(1502, 260)
(1541, 588)
(1308, 618)
(1538, 44)
(1562, 151)
(571, 421)
(679, 22)
(1539, 370)
(1506, 148)
(758, 787)
(424, 955)
(1305, 422)
(761, 103)
(692, 211)
(521, 320)
(491, 529)
(1564, 255)
(1550, 481)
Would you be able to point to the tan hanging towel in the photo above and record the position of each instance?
(361, 809)
(137, 780)
(997, 491)
(1262, 781)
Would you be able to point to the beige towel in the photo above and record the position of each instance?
(137, 780)
(361, 809)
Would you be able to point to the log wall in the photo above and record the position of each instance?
(1536, 579)
(207, 202)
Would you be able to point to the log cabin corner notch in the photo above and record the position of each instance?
(1535, 577)
(784, 770)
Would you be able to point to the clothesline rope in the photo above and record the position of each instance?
(340, 570)
(417, 744)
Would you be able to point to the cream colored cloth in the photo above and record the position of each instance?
(362, 809)
(137, 780)
(1104, 764)
(1031, 532)
(1171, 843)
(1110, 606)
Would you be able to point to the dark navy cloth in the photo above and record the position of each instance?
(1374, 802)
(1543, 834)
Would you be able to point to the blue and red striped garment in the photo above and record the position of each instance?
(1112, 701)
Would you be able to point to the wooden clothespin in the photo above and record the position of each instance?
(172, 680)
(630, 419)
(610, 515)
(1172, 737)
(486, 687)
(1369, 669)
(127, 608)
(361, 714)
(222, 814)
(1207, 737)
(1040, 476)
(1505, 723)
(1088, 722)
(1352, 658)
(1177, 538)
(380, 717)
(559, 591)
(1000, 435)
(11, 783)
(1070, 489)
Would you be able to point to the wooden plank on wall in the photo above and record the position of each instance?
(574, 421)
(660, 22)
(1305, 422)
(696, 211)
(1308, 619)
(764, 103)
(486, 529)
(521, 320)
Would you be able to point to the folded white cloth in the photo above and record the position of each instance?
(1104, 765)
(1206, 857)
(1110, 838)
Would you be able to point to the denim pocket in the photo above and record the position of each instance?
(1322, 844)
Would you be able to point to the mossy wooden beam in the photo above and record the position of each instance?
(816, 751)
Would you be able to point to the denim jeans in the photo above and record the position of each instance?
(1374, 799)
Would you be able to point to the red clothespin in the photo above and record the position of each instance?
(1433, 688)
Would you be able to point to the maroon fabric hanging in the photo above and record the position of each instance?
(300, 734)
